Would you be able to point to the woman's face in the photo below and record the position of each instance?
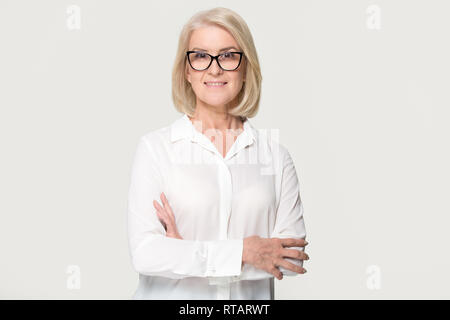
(212, 39)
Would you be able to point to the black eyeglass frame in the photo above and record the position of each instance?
(214, 58)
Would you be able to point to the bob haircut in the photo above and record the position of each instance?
(248, 98)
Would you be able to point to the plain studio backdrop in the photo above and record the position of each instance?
(358, 90)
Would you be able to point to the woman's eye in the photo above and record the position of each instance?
(199, 55)
(227, 55)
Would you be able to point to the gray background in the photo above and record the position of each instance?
(364, 113)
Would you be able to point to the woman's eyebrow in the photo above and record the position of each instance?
(223, 49)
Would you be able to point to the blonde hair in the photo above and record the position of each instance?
(248, 98)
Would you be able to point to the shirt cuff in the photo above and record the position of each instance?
(224, 258)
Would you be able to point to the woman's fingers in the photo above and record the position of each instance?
(162, 220)
(167, 210)
(159, 208)
(292, 242)
(161, 213)
(276, 272)
(289, 266)
(167, 206)
(166, 215)
(295, 254)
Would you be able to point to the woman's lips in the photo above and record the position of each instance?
(215, 84)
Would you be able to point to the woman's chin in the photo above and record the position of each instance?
(218, 102)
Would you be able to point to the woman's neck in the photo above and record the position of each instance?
(216, 119)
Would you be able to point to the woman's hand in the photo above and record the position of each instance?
(167, 218)
(268, 253)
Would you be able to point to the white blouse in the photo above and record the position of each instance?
(217, 202)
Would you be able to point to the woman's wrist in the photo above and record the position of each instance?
(246, 247)
(244, 251)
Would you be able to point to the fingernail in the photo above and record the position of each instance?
(306, 242)
(304, 271)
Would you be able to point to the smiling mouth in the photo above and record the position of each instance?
(215, 84)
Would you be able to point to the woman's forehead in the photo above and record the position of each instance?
(212, 38)
(216, 49)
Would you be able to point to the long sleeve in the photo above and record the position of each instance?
(289, 221)
(154, 254)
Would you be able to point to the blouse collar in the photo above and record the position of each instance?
(183, 128)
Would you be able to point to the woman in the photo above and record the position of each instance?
(230, 203)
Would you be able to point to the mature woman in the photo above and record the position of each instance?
(230, 217)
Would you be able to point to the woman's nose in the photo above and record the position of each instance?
(214, 67)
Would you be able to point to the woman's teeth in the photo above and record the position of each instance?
(215, 84)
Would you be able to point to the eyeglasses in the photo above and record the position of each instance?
(227, 61)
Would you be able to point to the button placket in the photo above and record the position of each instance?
(226, 190)
(225, 210)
